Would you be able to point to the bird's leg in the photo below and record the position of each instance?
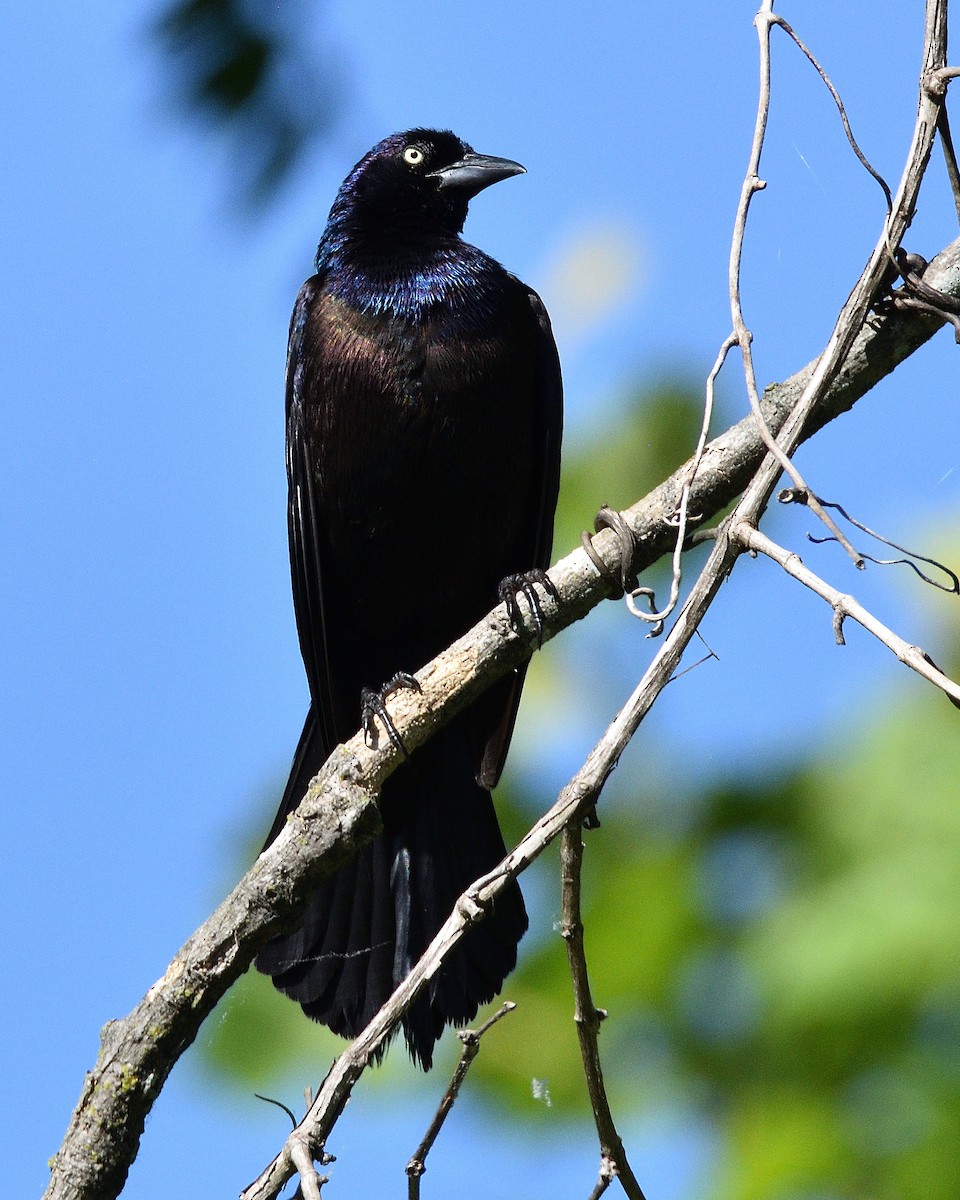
(373, 704)
(513, 586)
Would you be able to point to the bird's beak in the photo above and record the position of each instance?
(474, 172)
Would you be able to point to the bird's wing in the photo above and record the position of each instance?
(306, 571)
(304, 531)
(550, 411)
(500, 704)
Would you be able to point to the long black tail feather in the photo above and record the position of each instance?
(369, 923)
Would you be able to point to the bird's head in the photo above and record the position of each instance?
(416, 183)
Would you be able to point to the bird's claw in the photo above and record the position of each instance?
(374, 705)
(513, 586)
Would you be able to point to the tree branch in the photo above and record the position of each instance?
(587, 1017)
(845, 605)
(339, 811)
(470, 1041)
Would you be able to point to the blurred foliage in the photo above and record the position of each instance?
(245, 68)
(783, 961)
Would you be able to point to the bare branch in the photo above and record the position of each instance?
(854, 312)
(823, 376)
(764, 21)
(310, 1181)
(949, 157)
(586, 1015)
(576, 799)
(471, 1048)
(828, 84)
(845, 605)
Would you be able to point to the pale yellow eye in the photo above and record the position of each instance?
(413, 155)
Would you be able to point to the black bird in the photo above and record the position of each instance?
(423, 416)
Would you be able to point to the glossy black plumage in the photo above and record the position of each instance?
(423, 444)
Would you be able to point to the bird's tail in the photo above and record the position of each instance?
(369, 923)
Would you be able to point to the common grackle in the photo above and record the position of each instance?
(423, 418)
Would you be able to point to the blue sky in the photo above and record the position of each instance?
(152, 689)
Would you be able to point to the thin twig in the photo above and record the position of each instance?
(845, 605)
(471, 1048)
(279, 1104)
(683, 509)
(586, 1015)
(828, 84)
(752, 183)
(576, 799)
(854, 312)
(787, 496)
(949, 157)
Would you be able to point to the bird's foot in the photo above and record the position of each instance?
(374, 704)
(515, 586)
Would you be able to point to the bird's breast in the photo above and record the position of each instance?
(417, 420)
